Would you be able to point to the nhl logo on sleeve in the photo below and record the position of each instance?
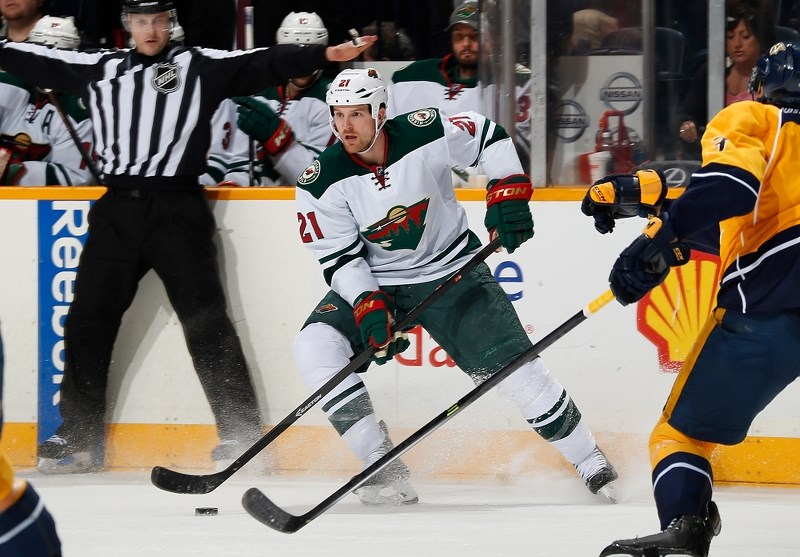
(166, 77)
(422, 118)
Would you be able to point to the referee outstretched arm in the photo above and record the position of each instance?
(151, 106)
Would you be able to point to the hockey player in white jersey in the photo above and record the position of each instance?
(38, 143)
(288, 124)
(379, 212)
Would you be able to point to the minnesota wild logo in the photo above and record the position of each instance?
(422, 117)
(466, 11)
(309, 174)
(401, 229)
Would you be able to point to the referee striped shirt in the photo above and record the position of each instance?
(152, 115)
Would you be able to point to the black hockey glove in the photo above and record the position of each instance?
(645, 263)
(619, 196)
(508, 211)
(261, 123)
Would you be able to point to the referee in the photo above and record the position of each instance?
(151, 109)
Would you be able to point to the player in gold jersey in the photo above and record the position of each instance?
(26, 527)
(747, 193)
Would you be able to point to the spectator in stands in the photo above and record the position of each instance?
(789, 15)
(589, 26)
(450, 83)
(210, 23)
(749, 33)
(423, 20)
(19, 17)
(393, 43)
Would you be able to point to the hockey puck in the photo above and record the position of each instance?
(206, 511)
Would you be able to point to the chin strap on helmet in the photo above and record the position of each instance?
(353, 87)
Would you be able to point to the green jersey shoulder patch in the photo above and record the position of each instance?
(408, 132)
(333, 165)
(423, 117)
(310, 174)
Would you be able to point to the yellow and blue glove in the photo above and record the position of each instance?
(645, 263)
(620, 196)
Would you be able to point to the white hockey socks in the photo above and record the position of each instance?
(546, 405)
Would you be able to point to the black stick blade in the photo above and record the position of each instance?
(265, 511)
(178, 482)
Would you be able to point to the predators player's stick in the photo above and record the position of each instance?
(264, 510)
(178, 482)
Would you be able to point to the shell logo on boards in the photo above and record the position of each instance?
(672, 314)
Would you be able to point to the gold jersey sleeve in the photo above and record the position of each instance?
(741, 135)
(756, 146)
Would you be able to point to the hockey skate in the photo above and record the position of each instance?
(686, 535)
(598, 474)
(389, 486)
(56, 456)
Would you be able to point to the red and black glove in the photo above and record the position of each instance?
(13, 174)
(10, 172)
(373, 312)
(508, 213)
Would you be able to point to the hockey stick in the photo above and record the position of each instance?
(249, 43)
(178, 482)
(264, 510)
(74, 135)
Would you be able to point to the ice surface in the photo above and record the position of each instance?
(123, 514)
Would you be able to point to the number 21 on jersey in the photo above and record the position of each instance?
(306, 221)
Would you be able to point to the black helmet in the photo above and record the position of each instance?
(778, 72)
(132, 7)
(146, 6)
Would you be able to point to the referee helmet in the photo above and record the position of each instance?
(147, 6)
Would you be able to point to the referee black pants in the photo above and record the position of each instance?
(171, 233)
